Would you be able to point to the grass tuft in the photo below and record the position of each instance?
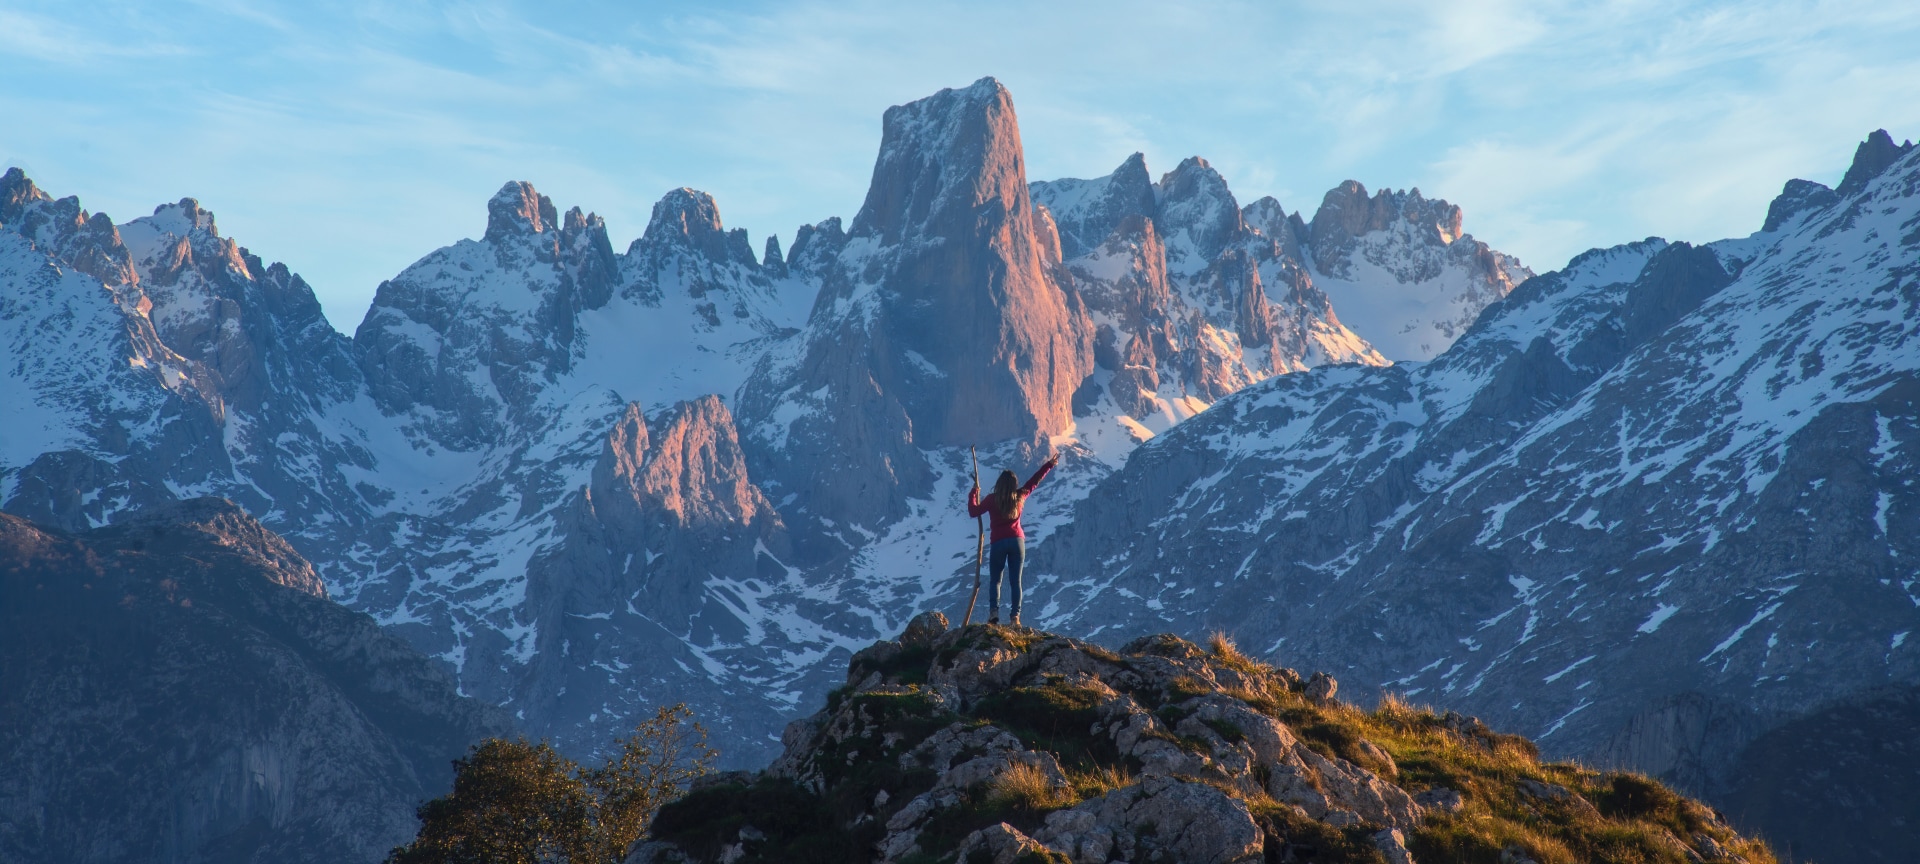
(1025, 787)
(1099, 780)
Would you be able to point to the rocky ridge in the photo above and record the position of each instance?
(1004, 745)
(177, 687)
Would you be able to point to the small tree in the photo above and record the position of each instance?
(654, 765)
(515, 802)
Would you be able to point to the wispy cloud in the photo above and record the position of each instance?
(47, 39)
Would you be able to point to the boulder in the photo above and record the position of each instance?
(1323, 787)
(1322, 687)
(923, 629)
(1002, 844)
(1159, 818)
(1393, 844)
(1440, 799)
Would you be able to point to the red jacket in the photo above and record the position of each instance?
(1005, 528)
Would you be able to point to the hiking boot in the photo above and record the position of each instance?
(994, 619)
(1016, 619)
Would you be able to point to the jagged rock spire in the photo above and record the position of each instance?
(518, 210)
(966, 283)
(1873, 156)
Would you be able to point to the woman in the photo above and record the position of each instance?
(1009, 549)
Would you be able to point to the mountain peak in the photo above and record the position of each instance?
(1195, 199)
(956, 148)
(1271, 219)
(16, 193)
(1085, 212)
(1797, 197)
(1869, 159)
(184, 217)
(689, 218)
(518, 210)
(1346, 212)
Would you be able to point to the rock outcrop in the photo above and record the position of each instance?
(177, 687)
(666, 536)
(1004, 745)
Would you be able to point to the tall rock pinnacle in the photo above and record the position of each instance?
(984, 344)
(939, 322)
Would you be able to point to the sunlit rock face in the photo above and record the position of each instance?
(1191, 298)
(940, 321)
(947, 240)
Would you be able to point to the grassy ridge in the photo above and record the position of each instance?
(1511, 807)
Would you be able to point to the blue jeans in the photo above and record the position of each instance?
(1008, 555)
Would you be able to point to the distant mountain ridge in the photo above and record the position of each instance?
(589, 481)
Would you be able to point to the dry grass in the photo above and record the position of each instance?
(1628, 818)
(1228, 654)
(1099, 781)
(1025, 787)
(1623, 818)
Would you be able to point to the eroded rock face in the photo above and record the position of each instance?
(948, 238)
(471, 361)
(1157, 819)
(1190, 300)
(670, 505)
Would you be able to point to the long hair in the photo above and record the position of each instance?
(1007, 497)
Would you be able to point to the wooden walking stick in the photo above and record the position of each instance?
(980, 546)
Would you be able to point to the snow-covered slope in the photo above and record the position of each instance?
(1645, 509)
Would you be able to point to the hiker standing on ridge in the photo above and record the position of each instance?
(1009, 549)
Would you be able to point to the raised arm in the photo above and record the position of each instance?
(1039, 475)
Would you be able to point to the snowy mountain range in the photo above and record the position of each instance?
(591, 481)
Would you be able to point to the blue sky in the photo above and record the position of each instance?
(350, 139)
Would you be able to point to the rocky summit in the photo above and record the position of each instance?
(1004, 745)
